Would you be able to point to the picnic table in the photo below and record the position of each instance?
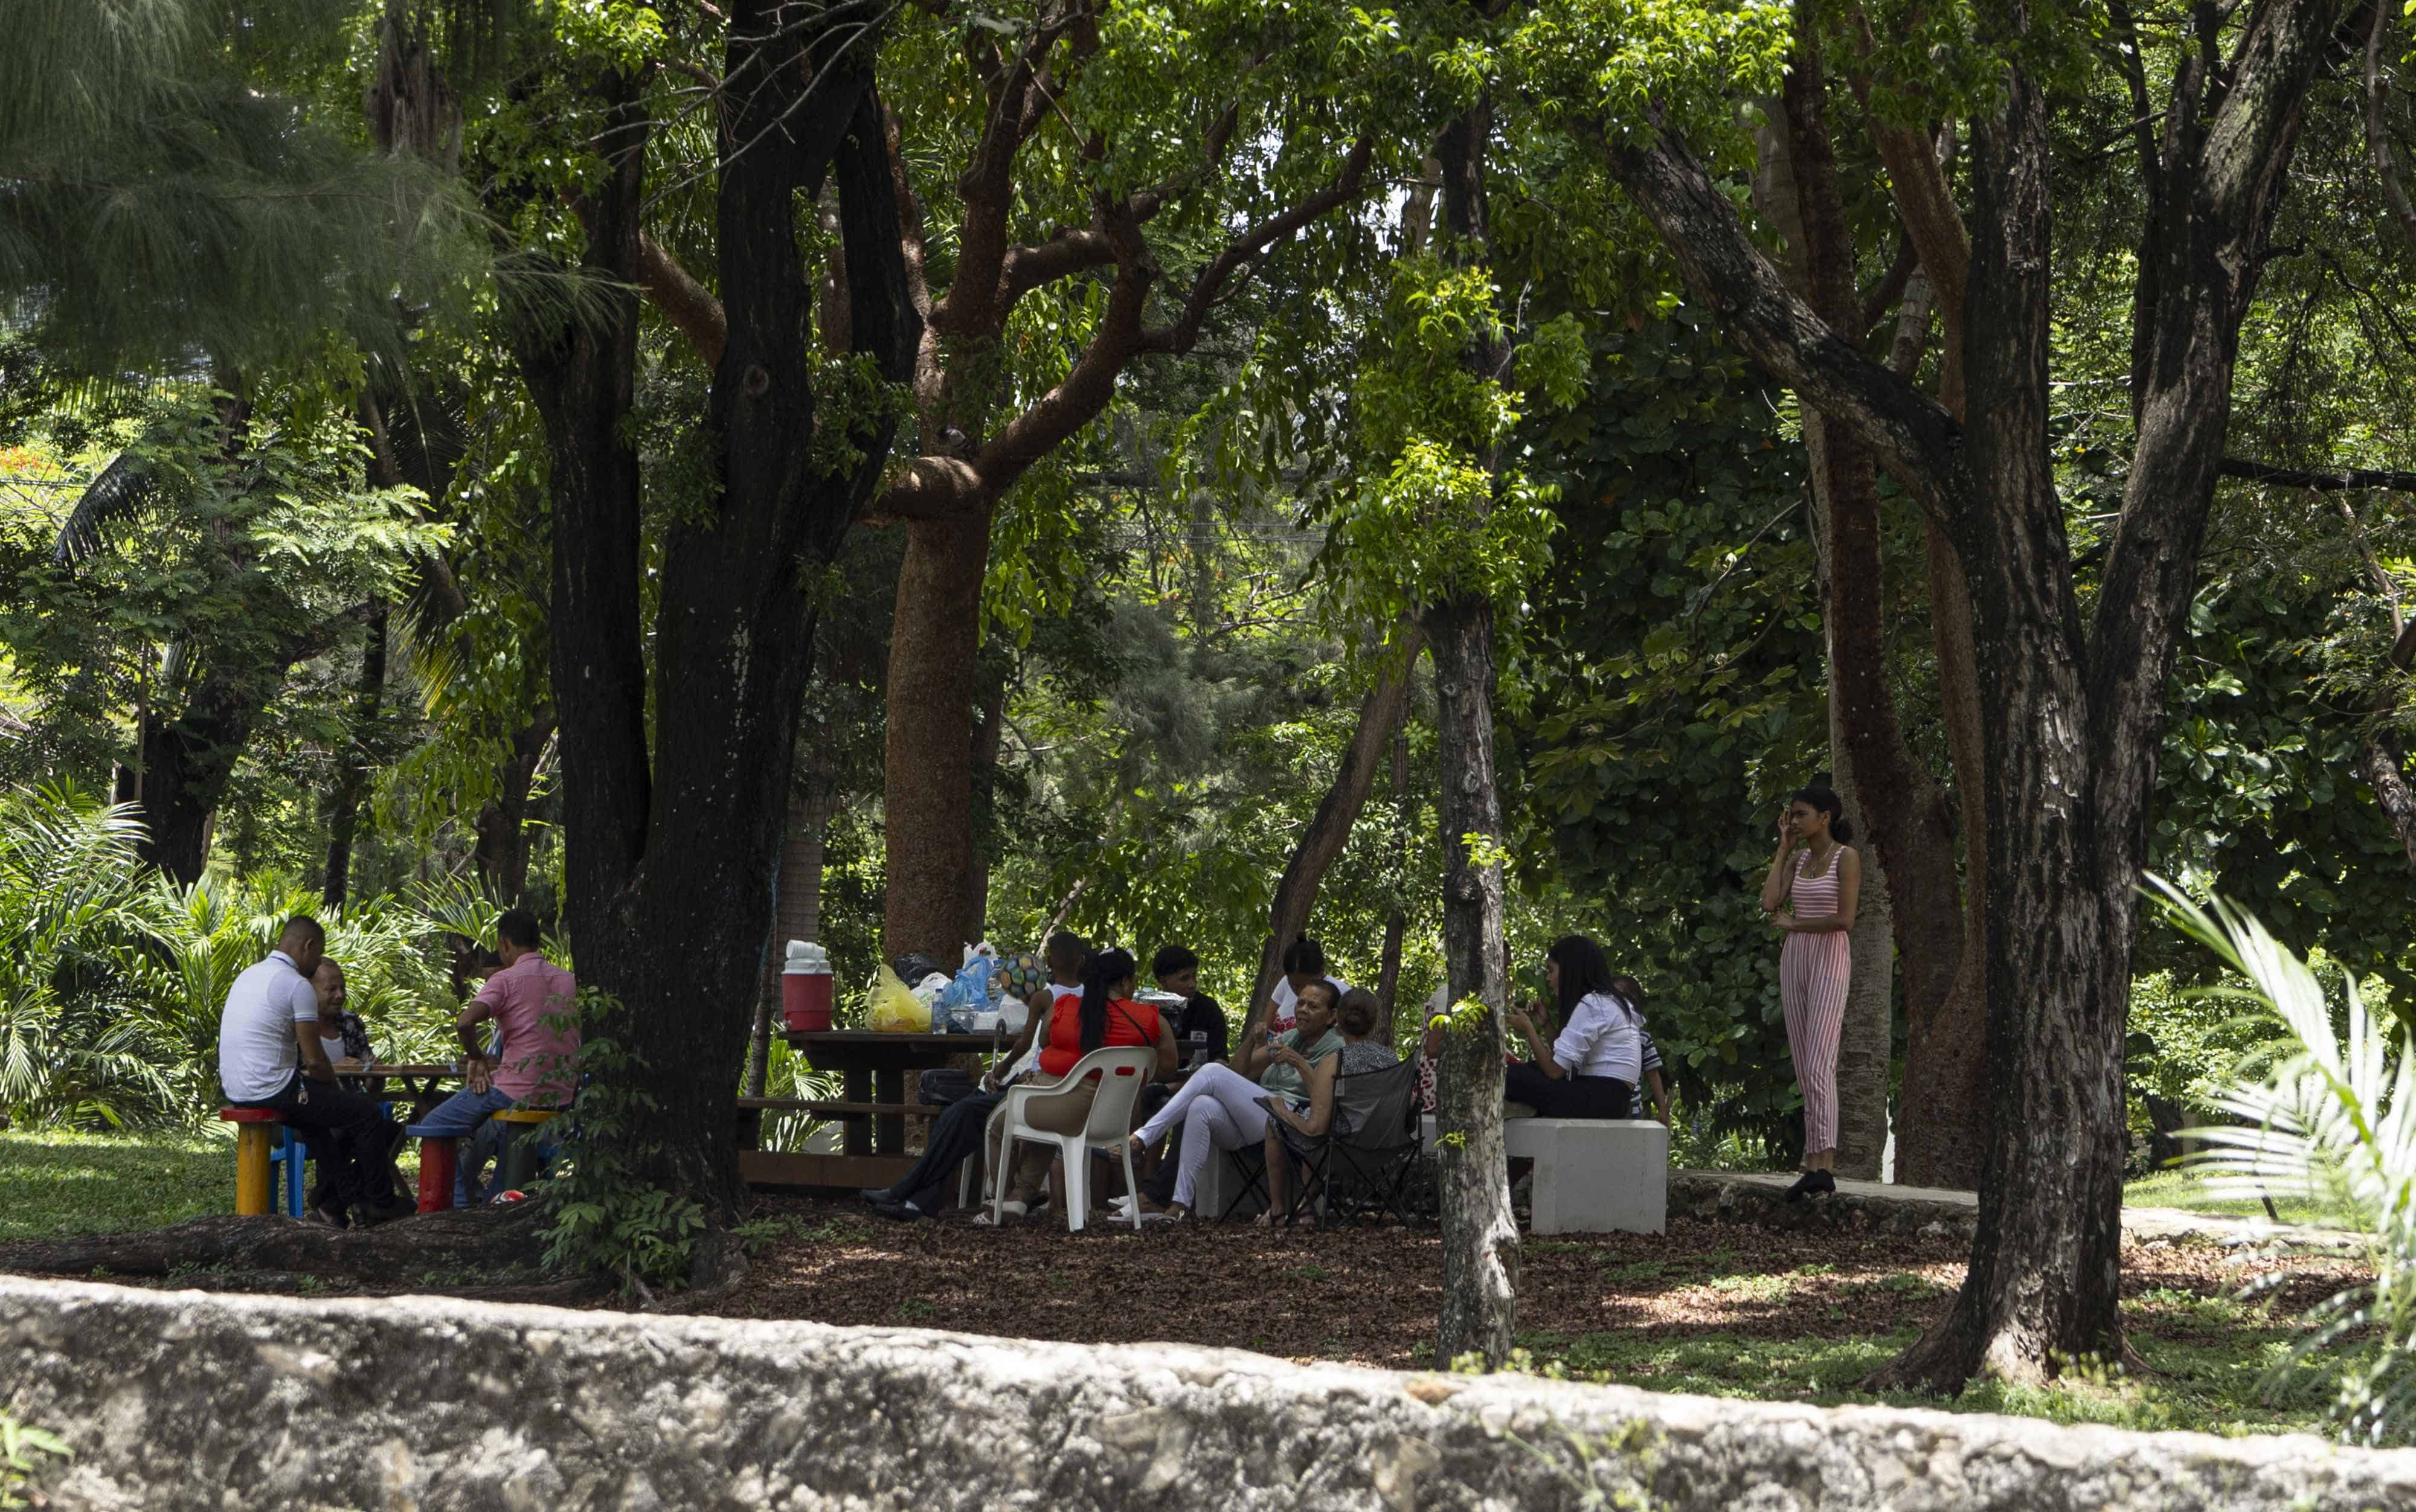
(873, 1110)
(420, 1078)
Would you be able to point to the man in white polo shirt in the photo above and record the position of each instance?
(270, 1057)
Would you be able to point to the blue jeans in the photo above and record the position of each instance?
(466, 1115)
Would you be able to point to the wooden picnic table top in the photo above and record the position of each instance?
(395, 1068)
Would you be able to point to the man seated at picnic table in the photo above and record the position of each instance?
(271, 1057)
(535, 1004)
(341, 1033)
(957, 1134)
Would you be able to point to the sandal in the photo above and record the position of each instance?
(1006, 1210)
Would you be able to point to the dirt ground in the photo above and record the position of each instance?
(1370, 1295)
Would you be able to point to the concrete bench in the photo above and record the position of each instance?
(1592, 1176)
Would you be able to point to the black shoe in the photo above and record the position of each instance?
(327, 1214)
(878, 1195)
(373, 1213)
(900, 1212)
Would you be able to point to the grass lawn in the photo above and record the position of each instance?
(54, 1184)
(2187, 1190)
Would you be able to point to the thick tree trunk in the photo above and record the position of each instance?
(2074, 720)
(2043, 1282)
(352, 776)
(1480, 1236)
(672, 860)
(1329, 829)
(927, 756)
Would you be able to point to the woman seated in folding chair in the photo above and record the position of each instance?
(1358, 1017)
(1105, 1015)
(1223, 1107)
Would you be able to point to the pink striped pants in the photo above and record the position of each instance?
(1813, 970)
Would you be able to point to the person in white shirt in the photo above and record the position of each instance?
(270, 1057)
(1304, 961)
(1589, 1069)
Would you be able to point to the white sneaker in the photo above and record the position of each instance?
(1012, 1210)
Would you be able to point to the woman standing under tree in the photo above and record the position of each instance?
(1814, 884)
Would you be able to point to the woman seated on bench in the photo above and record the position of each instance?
(1225, 1107)
(1358, 1017)
(1590, 1069)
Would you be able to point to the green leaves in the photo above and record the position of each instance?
(1437, 512)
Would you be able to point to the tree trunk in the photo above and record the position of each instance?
(1867, 1040)
(1397, 920)
(1329, 829)
(2074, 719)
(500, 853)
(2385, 767)
(671, 857)
(352, 776)
(2045, 1271)
(1480, 1236)
(928, 754)
(990, 736)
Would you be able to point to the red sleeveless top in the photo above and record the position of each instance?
(1128, 1023)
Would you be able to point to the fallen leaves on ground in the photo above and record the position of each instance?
(1371, 1295)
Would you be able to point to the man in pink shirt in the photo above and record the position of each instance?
(536, 1004)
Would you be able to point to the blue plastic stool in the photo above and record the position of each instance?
(285, 1167)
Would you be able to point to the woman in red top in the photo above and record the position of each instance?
(1105, 1015)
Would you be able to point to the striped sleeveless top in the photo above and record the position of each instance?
(1814, 897)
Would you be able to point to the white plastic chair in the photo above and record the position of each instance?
(1124, 1071)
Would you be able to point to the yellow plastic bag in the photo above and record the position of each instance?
(890, 1008)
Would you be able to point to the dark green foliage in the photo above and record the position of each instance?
(1675, 672)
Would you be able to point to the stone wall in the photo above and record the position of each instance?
(188, 1400)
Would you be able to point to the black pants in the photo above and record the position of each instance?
(955, 1135)
(1567, 1096)
(352, 1142)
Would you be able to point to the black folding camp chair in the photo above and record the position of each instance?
(1361, 1166)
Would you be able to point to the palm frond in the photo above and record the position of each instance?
(2335, 1122)
(120, 490)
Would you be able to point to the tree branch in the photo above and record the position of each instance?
(1020, 95)
(1253, 244)
(2377, 142)
(685, 302)
(1917, 438)
(2290, 478)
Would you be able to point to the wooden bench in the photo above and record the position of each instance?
(751, 1110)
(1592, 1176)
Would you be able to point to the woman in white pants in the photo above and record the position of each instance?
(1220, 1107)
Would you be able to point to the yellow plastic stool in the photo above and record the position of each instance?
(257, 1131)
(516, 1163)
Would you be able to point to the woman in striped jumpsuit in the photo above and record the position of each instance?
(1814, 883)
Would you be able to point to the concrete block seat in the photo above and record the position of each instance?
(1592, 1176)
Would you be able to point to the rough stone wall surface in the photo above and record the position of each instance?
(190, 1400)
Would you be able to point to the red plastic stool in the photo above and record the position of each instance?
(437, 1159)
(255, 1135)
